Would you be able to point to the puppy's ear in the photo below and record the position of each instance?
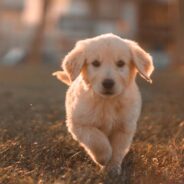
(74, 61)
(142, 60)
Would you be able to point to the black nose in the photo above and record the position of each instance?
(108, 83)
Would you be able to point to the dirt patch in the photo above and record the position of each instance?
(36, 148)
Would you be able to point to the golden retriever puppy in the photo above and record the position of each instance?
(103, 102)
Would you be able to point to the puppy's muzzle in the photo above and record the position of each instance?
(108, 85)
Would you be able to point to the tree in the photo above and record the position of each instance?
(179, 57)
(35, 52)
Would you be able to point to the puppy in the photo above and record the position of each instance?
(103, 102)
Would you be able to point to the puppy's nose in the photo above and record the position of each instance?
(108, 83)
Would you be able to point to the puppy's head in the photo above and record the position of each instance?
(108, 64)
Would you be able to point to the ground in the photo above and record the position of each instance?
(35, 146)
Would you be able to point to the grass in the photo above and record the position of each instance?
(35, 146)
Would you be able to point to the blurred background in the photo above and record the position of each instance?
(34, 31)
(34, 37)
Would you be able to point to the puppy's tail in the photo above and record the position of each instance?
(62, 76)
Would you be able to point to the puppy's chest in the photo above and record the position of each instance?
(107, 117)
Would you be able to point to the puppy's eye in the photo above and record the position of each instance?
(96, 63)
(120, 63)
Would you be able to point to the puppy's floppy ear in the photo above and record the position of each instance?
(142, 60)
(74, 61)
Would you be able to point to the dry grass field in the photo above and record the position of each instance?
(36, 148)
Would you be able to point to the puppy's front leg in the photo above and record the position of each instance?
(94, 142)
(120, 142)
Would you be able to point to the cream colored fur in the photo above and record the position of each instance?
(104, 124)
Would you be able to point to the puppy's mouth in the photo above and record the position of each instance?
(108, 93)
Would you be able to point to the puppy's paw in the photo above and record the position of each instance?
(112, 170)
